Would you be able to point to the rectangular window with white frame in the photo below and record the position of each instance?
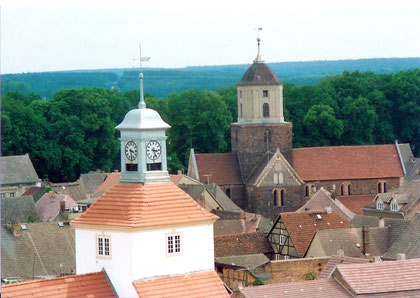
(282, 239)
(173, 244)
(103, 246)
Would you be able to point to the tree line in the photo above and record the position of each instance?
(73, 132)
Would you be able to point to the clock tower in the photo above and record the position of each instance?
(143, 145)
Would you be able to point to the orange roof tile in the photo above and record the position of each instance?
(139, 206)
(356, 203)
(110, 180)
(200, 284)
(219, 168)
(302, 226)
(347, 162)
(84, 285)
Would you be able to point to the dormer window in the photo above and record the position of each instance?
(379, 205)
(394, 206)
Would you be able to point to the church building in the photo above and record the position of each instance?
(145, 237)
(264, 174)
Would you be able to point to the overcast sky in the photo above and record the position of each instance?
(48, 35)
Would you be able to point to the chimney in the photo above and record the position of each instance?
(62, 206)
(179, 173)
(417, 171)
(376, 259)
(242, 215)
(202, 201)
(328, 209)
(365, 235)
(401, 257)
(340, 252)
(15, 229)
(381, 222)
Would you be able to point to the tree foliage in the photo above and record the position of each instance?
(74, 131)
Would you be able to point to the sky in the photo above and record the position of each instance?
(46, 35)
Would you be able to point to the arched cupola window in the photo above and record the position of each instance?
(266, 110)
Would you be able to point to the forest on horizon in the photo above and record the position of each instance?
(73, 131)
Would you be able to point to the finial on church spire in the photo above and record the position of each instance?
(142, 104)
(258, 58)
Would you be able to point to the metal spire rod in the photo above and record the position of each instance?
(142, 103)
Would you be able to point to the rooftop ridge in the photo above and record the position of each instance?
(343, 146)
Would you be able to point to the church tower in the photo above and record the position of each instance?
(261, 127)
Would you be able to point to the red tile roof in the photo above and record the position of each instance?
(138, 206)
(110, 180)
(199, 284)
(302, 226)
(315, 288)
(336, 260)
(241, 244)
(219, 168)
(84, 285)
(347, 162)
(48, 206)
(369, 278)
(356, 203)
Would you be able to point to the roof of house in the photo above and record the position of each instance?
(139, 206)
(83, 285)
(322, 199)
(18, 209)
(34, 191)
(347, 239)
(301, 226)
(241, 244)
(111, 180)
(38, 251)
(48, 206)
(91, 181)
(244, 261)
(259, 74)
(197, 284)
(411, 163)
(335, 260)
(406, 195)
(17, 169)
(222, 198)
(219, 168)
(248, 223)
(73, 189)
(356, 203)
(408, 242)
(402, 276)
(314, 288)
(347, 162)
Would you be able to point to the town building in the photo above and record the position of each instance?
(147, 235)
(264, 174)
(17, 175)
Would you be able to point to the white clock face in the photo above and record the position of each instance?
(131, 150)
(153, 150)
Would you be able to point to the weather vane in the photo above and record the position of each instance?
(141, 59)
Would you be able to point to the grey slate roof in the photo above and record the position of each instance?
(17, 169)
(411, 163)
(408, 242)
(38, 251)
(73, 189)
(91, 181)
(244, 261)
(18, 209)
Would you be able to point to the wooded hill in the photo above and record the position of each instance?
(161, 82)
(74, 132)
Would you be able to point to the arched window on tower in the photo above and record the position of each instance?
(282, 197)
(342, 189)
(240, 110)
(228, 192)
(348, 190)
(266, 110)
(384, 186)
(275, 197)
(307, 191)
(267, 136)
